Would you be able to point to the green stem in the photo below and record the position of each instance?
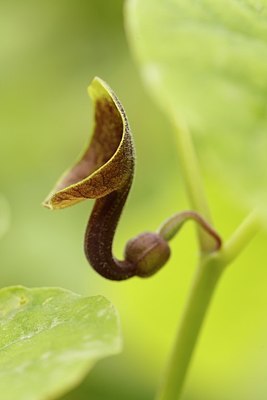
(192, 177)
(173, 225)
(251, 225)
(202, 290)
(210, 268)
(208, 274)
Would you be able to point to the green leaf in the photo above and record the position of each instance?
(205, 62)
(50, 339)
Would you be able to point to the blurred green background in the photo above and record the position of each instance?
(50, 51)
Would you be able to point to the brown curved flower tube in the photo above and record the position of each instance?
(105, 173)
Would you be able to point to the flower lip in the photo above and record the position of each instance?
(93, 175)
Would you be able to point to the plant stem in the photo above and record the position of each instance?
(207, 276)
(251, 225)
(192, 177)
(202, 290)
(211, 266)
(173, 225)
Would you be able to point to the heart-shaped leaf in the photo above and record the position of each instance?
(50, 338)
(205, 61)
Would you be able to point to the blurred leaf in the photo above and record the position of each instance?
(205, 61)
(50, 339)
